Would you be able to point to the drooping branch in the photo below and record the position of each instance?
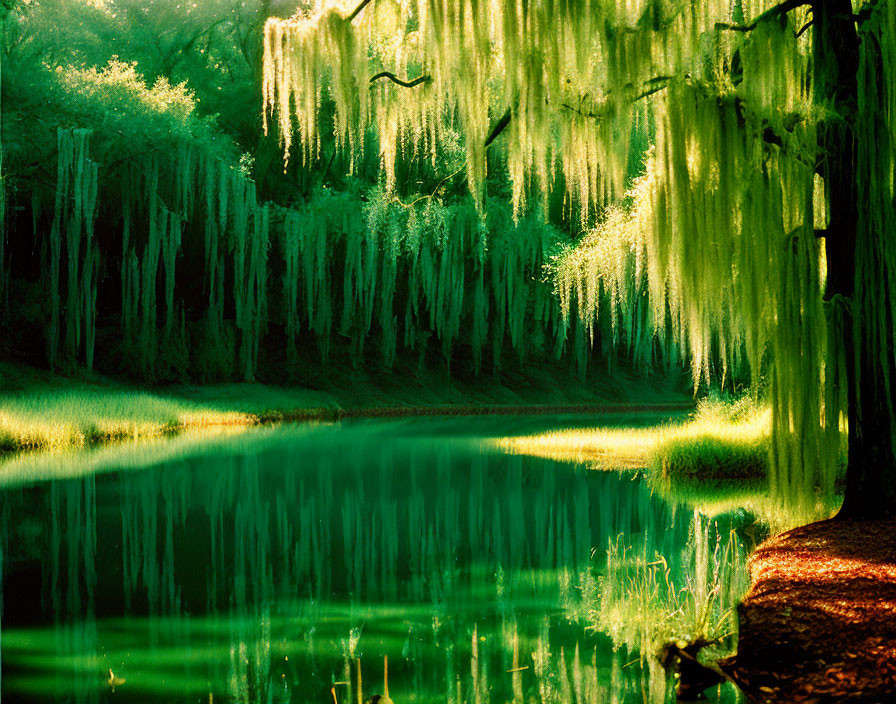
(499, 127)
(580, 112)
(429, 196)
(768, 15)
(398, 81)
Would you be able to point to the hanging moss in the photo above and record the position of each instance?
(290, 239)
(149, 259)
(170, 247)
(73, 225)
(251, 224)
(405, 275)
(297, 57)
(463, 280)
(568, 72)
(603, 285)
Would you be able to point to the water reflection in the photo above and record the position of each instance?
(286, 568)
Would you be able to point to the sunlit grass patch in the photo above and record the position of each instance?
(712, 459)
(46, 417)
(44, 411)
(715, 460)
(40, 410)
(722, 464)
(600, 448)
(723, 442)
(728, 440)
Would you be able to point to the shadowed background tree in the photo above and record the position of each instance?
(154, 233)
(764, 218)
(5, 7)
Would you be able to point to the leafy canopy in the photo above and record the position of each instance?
(722, 225)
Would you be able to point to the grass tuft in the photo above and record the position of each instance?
(709, 457)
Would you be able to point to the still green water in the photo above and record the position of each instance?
(271, 566)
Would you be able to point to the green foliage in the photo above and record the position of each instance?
(128, 117)
(163, 175)
(206, 269)
(214, 45)
(125, 93)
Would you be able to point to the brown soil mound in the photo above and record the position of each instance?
(819, 623)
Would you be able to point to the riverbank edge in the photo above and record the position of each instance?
(43, 411)
(331, 415)
(818, 621)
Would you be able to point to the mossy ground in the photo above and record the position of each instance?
(818, 622)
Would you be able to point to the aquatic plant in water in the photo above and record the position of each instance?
(646, 600)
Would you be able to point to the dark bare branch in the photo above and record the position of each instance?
(768, 15)
(499, 127)
(781, 134)
(660, 79)
(398, 81)
(656, 85)
(357, 10)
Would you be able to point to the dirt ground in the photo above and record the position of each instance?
(819, 623)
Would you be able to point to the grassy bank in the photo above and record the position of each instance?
(714, 459)
(40, 410)
(718, 441)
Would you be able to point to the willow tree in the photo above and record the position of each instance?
(768, 223)
(5, 7)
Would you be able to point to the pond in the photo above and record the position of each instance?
(297, 564)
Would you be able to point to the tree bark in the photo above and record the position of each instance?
(871, 469)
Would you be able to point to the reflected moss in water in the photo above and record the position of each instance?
(260, 570)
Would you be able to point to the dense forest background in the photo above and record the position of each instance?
(154, 231)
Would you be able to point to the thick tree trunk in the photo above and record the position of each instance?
(871, 471)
